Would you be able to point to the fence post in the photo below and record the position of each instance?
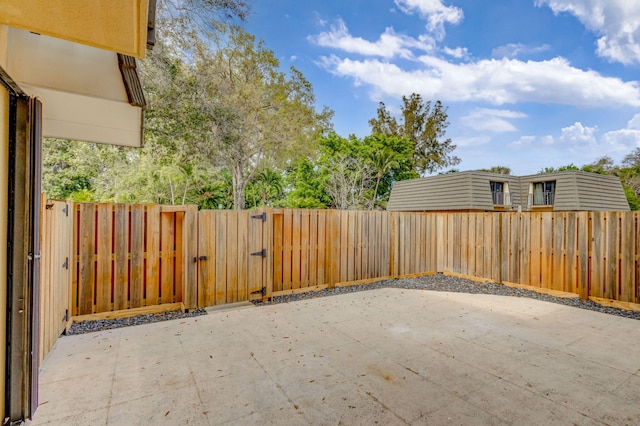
(441, 243)
(499, 246)
(267, 241)
(583, 232)
(334, 243)
(71, 263)
(190, 252)
(393, 255)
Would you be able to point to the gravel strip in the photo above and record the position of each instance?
(437, 282)
(100, 325)
(440, 282)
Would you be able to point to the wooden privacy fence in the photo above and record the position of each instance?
(141, 257)
(593, 254)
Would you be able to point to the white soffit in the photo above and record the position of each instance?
(72, 116)
(80, 87)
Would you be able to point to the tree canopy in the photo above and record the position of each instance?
(226, 127)
(425, 125)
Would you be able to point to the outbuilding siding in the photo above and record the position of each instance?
(575, 190)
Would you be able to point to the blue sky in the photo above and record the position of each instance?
(528, 83)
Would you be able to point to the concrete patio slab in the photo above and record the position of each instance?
(388, 356)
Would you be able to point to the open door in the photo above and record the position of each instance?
(25, 146)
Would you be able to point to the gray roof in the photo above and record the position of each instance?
(470, 190)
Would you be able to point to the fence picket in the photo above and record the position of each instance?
(152, 255)
(627, 264)
(130, 256)
(246, 269)
(121, 262)
(86, 252)
(167, 256)
(611, 272)
(137, 264)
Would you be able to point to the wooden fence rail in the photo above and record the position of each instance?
(125, 257)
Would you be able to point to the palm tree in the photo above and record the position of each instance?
(383, 161)
(268, 183)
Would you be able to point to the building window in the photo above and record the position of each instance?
(500, 193)
(543, 193)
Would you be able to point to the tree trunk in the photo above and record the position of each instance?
(239, 184)
(375, 191)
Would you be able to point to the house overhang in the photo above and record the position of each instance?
(88, 94)
(115, 25)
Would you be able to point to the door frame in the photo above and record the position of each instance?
(23, 253)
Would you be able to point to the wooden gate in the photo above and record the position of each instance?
(132, 256)
(234, 256)
(55, 282)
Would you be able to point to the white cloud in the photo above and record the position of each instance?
(504, 81)
(617, 22)
(634, 123)
(464, 141)
(513, 50)
(388, 45)
(529, 140)
(624, 140)
(492, 120)
(547, 140)
(583, 140)
(435, 13)
(577, 133)
(319, 21)
(458, 52)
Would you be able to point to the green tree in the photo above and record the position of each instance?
(632, 159)
(71, 169)
(305, 186)
(383, 161)
(350, 172)
(266, 189)
(256, 114)
(559, 169)
(603, 165)
(629, 174)
(423, 124)
(497, 169)
(170, 167)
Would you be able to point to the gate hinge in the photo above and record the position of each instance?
(262, 216)
(65, 209)
(65, 265)
(262, 291)
(262, 253)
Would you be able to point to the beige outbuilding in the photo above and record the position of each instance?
(481, 191)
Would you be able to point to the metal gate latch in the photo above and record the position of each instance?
(262, 291)
(262, 253)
